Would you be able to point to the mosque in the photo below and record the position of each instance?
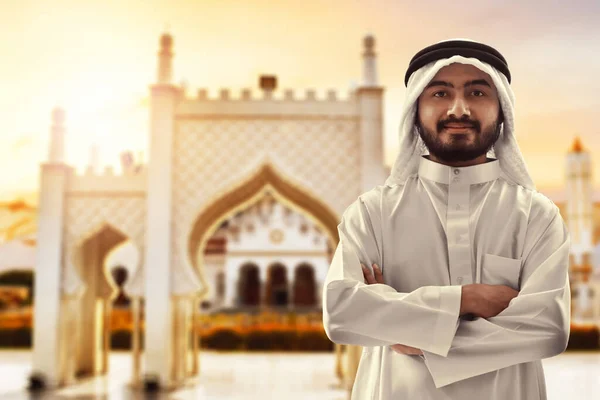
(237, 207)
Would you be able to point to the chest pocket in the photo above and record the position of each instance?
(497, 270)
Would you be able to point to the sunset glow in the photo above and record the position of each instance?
(97, 59)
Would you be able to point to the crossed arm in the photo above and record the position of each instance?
(535, 325)
(377, 277)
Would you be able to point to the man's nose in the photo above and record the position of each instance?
(459, 108)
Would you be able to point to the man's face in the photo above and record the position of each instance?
(459, 115)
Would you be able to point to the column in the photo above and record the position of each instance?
(48, 275)
(159, 311)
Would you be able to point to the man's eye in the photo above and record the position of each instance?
(480, 93)
(436, 94)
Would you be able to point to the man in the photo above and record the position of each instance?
(469, 286)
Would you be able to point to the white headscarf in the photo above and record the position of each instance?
(412, 147)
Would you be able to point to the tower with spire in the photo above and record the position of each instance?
(370, 103)
(579, 206)
(163, 99)
(57, 137)
(579, 200)
(165, 57)
(369, 60)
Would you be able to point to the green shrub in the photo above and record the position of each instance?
(224, 339)
(313, 341)
(267, 341)
(122, 339)
(588, 339)
(274, 341)
(19, 278)
(16, 338)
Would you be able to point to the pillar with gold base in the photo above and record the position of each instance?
(182, 313)
(48, 316)
(106, 333)
(351, 361)
(195, 337)
(135, 343)
(157, 274)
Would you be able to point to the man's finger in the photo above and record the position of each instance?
(408, 350)
(378, 273)
(368, 274)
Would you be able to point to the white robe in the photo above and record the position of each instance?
(443, 228)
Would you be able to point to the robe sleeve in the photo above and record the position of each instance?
(377, 315)
(536, 323)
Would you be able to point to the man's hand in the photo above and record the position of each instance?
(486, 301)
(368, 275)
(377, 277)
(402, 349)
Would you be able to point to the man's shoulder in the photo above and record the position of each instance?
(369, 201)
(539, 204)
(372, 196)
(373, 199)
(542, 202)
(542, 209)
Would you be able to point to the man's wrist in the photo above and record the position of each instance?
(467, 305)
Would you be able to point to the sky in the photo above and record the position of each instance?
(96, 59)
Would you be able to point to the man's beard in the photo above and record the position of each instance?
(457, 150)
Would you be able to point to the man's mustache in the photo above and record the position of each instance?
(442, 124)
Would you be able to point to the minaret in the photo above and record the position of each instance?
(165, 56)
(370, 104)
(369, 60)
(159, 359)
(579, 201)
(56, 154)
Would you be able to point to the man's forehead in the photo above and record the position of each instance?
(458, 72)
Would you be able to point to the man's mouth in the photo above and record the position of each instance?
(457, 126)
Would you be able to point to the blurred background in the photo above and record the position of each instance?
(267, 120)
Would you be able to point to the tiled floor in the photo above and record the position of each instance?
(251, 376)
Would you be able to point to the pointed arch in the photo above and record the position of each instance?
(265, 179)
(101, 241)
(92, 328)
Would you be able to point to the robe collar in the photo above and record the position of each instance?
(473, 174)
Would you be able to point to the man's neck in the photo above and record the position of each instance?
(479, 160)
